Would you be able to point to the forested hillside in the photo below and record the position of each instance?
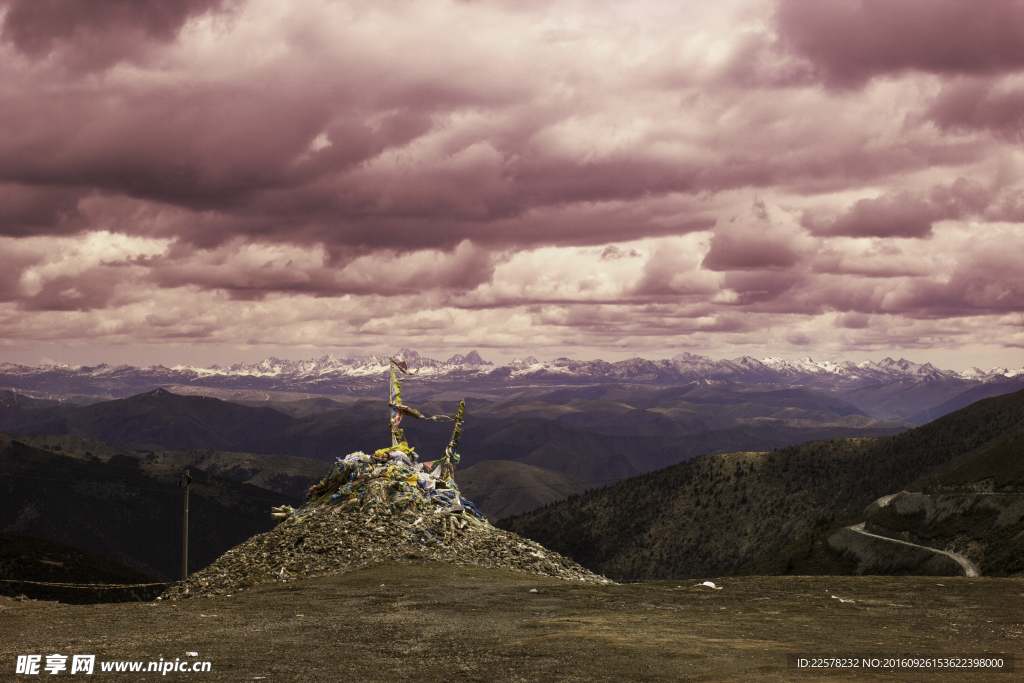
(705, 516)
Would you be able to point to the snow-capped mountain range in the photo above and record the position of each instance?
(368, 366)
(683, 368)
(889, 389)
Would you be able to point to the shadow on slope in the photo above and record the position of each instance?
(997, 387)
(25, 558)
(124, 509)
(705, 516)
(170, 421)
(501, 488)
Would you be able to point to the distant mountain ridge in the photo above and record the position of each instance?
(684, 366)
(632, 429)
(880, 389)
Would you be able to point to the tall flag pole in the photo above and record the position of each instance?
(451, 458)
(396, 399)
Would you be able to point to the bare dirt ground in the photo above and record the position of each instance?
(430, 622)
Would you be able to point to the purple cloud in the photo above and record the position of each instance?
(95, 33)
(521, 173)
(980, 104)
(757, 247)
(850, 41)
(905, 214)
(39, 210)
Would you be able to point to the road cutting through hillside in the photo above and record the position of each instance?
(970, 569)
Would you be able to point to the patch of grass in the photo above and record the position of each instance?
(25, 558)
(1004, 554)
(1002, 462)
(808, 555)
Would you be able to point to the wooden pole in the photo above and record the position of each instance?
(184, 484)
(395, 398)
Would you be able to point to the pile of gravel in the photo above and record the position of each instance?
(330, 540)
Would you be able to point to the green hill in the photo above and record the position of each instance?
(285, 474)
(160, 418)
(701, 517)
(998, 468)
(18, 410)
(501, 487)
(25, 558)
(125, 509)
(705, 516)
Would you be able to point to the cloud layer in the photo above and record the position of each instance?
(793, 175)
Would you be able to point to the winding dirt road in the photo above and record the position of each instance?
(970, 569)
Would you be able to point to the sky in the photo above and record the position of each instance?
(216, 181)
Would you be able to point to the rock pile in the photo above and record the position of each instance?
(382, 507)
(392, 480)
(330, 541)
(376, 508)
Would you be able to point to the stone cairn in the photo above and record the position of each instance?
(386, 506)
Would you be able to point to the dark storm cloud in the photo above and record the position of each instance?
(989, 279)
(905, 214)
(980, 104)
(901, 215)
(215, 151)
(13, 263)
(613, 252)
(360, 143)
(753, 249)
(95, 33)
(759, 288)
(74, 292)
(253, 272)
(985, 280)
(286, 161)
(852, 40)
(32, 210)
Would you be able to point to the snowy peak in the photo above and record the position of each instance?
(408, 355)
(330, 365)
(992, 373)
(329, 371)
(472, 358)
(905, 367)
(686, 356)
